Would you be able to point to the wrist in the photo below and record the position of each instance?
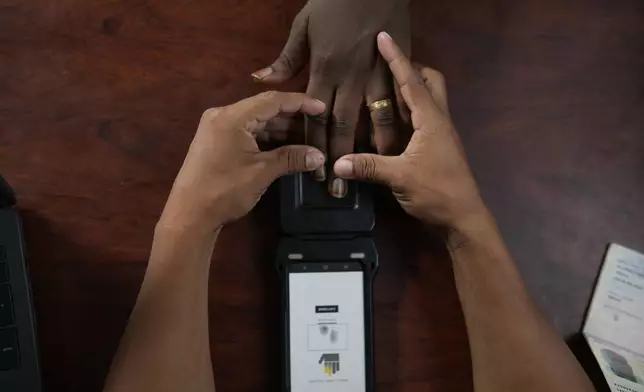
(179, 230)
(476, 241)
(176, 251)
(470, 229)
(190, 222)
(189, 214)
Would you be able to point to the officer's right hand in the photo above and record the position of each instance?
(431, 179)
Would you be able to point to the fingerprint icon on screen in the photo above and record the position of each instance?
(327, 337)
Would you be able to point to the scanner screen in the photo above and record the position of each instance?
(327, 336)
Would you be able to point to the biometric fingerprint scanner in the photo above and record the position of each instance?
(307, 208)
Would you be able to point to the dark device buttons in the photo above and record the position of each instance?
(4, 273)
(6, 310)
(9, 358)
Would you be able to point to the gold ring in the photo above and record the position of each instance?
(383, 103)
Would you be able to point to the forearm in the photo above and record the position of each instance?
(513, 347)
(166, 347)
(166, 344)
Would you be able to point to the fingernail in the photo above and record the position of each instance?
(383, 36)
(313, 160)
(320, 174)
(315, 107)
(262, 73)
(339, 188)
(343, 168)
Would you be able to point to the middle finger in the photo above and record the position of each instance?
(346, 111)
(316, 126)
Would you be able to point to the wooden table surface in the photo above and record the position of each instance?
(100, 99)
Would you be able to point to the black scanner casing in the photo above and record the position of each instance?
(306, 208)
(321, 229)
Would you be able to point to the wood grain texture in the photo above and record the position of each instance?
(99, 101)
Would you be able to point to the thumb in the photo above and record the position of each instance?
(292, 159)
(293, 56)
(366, 167)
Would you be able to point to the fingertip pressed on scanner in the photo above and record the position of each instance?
(320, 174)
(338, 188)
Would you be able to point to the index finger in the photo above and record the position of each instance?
(411, 87)
(264, 106)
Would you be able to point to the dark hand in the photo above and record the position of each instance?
(225, 173)
(431, 179)
(337, 37)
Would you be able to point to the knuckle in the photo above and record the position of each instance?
(367, 167)
(388, 146)
(211, 114)
(320, 120)
(285, 62)
(411, 81)
(417, 80)
(285, 156)
(440, 78)
(291, 159)
(300, 20)
(342, 128)
(383, 117)
(323, 64)
(432, 76)
(436, 75)
(269, 95)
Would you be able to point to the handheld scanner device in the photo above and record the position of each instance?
(327, 261)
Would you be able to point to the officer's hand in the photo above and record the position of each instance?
(431, 179)
(225, 173)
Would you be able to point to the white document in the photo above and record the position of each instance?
(614, 327)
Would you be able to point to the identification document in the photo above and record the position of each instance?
(614, 326)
